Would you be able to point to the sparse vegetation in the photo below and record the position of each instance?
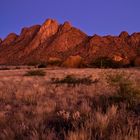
(105, 62)
(33, 63)
(33, 109)
(4, 68)
(42, 65)
(71, 79)
(54, 63)
(35, 73)
(125, 90)
(17, 67)
(38, 64)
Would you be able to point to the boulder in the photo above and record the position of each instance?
(123, 61)
(117, 58)
(55, 61)
(73, 61)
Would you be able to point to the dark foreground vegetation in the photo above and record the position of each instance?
(62, 112)
(35, 73)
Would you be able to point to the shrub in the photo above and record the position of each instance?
(35, 73)
(42, 65)
(38, 64)
(4, 68)
(125, 90)
(17, 67)
(33, 63)
(54, 63)
(105, 62)
(70, 79)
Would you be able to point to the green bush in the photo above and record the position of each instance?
(35, 73)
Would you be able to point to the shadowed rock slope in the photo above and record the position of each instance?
(39, 43)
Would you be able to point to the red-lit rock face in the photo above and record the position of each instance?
(9, 39)
(137, 61)
(51, 39)
(0, 40)
(48, 29)
(124, 35)
(27, 34)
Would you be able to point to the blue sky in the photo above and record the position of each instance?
(91, 16)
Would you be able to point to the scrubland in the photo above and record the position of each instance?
(70, 104)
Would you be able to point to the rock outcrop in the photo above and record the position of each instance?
(137, 61)
(0, 40)
(73, 62)
(39, 43)
(9, 40)
(54, 61)
(124, 35)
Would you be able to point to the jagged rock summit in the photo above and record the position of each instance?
(39, 43)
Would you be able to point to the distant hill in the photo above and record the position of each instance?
(55, 43)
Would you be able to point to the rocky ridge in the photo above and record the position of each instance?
(39, 43)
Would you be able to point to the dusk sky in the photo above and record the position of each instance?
(91, 16)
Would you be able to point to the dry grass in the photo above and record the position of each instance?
(32, 108)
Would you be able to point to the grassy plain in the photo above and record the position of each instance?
(70, 104)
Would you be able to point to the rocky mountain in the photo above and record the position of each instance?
(53, 43)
